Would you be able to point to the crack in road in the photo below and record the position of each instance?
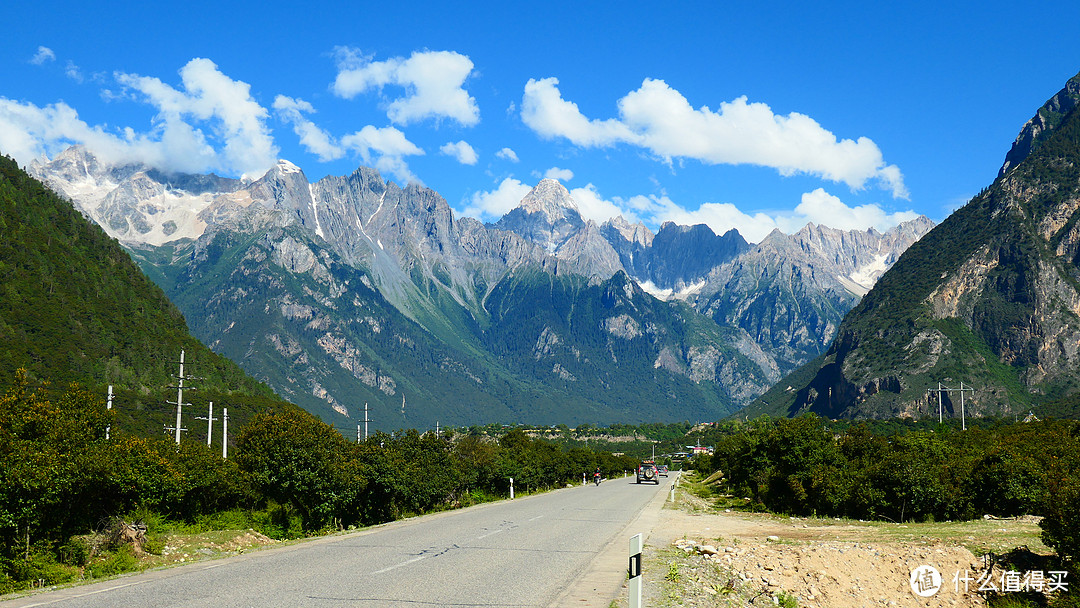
(426, 553)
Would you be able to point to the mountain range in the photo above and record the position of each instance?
(353, 290)
(982, 313)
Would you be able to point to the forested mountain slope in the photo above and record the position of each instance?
(989, 298)
(74, 307)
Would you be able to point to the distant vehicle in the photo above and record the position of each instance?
(647, 471)
(662, 470)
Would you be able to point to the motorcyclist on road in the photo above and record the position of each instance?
(596, 476)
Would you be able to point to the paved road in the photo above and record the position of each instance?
(526, 552)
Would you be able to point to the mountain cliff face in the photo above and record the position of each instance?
(674, 258)
(354, 290)
(990, 298)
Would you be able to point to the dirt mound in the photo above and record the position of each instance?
(830, 574)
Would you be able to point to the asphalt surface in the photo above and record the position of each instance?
(533, 551)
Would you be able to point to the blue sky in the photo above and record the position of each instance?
(747, 115)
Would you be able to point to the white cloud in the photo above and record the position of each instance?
(44, 54)
(545, 111)
(314, 139)
(208, 95)
(559, 174)
(594, 207)
(28, 132)
(73, 72)
(659, 119)
(821, 207)
(462, 151)
(433, 82)
(386, 149)
(496, 203)
(507, 154)
(236, 141)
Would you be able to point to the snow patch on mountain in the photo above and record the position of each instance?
(868, 274)
(671, 294)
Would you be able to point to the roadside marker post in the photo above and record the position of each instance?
(511, 488)
(634, 571)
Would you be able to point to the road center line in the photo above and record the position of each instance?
(75, 596)
(396, 566)
(490, 533)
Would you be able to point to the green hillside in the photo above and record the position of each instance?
(75, 308)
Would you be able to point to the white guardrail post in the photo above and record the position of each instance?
(635, 571)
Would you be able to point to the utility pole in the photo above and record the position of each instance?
(963, 420)
(944, 389)
(108, 407)
(225, 433)
(209, 418)
(939, 421)
(179, 403)
(365, 420)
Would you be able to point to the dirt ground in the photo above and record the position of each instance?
(700, 556)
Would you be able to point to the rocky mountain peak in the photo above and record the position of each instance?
(1046, 119)
(547, 216)
(637, 234)
(283, 167)
(550, 198)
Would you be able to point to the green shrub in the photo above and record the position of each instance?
(232, 519)
(19, 574)
(118, 562)
(74, 552)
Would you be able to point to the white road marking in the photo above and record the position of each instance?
(396, 566)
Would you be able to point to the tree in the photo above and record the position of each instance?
(298, 460)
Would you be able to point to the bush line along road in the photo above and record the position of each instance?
(543, 550)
